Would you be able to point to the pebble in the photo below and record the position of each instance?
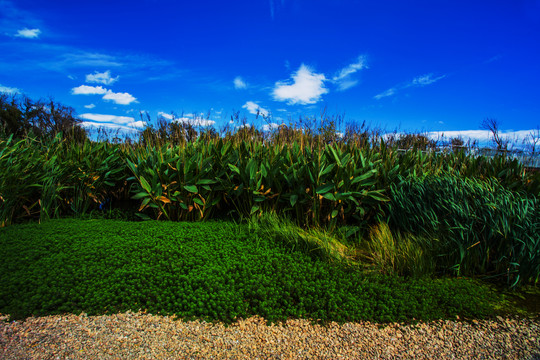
(144, 336)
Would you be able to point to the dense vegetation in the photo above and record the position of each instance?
(212, 270)
(357, 196)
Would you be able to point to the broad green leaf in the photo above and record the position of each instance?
(336, 156)
(234, 168)
(363, 177)
(324, 188)
(254, 209)
(145, 185)
(191, 189)
(326, 170)
(377, 196)
(294, 199)
(143, 216)
(329, 196)
(140, 195)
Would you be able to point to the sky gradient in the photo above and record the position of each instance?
(412, 66)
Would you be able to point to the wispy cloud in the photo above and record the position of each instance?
(12, 17)
(306, 87)
(102, 118)
(493, 58)
(386, 93)
(101, 78)
(419, 81)
(28, 33)
(119, 98)
(91, 106)
(343, 79)
(239, 83)
(88, 90)
(425, 80)
(39, 56)
(274, 5)
(9, 90)
(255, 109)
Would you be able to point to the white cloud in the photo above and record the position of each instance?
(101, 118)
(195, 121)
(91, 106)
(191, 119)
(124, 123)
(88, 90)
(239, 83)
(131, 127)
(271, 126)
(484, 137)
(386, 93)
(28, 33)
(307, 87)
(9, 90)
(137, 124)
(119, 98)
(254, 108)
(425, 80)
(101, 78)
(343, 77)
(165, 115)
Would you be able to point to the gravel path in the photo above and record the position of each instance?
(142, 336)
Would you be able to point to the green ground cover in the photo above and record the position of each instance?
(211, 270)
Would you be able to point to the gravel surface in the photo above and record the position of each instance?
(143, 336)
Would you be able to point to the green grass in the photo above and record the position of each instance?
(218, 271)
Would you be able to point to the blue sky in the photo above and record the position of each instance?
(407, 65)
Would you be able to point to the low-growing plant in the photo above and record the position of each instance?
(213, 271)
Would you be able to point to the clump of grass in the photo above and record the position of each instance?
(484, 228)
(326, 244)
(400, 254)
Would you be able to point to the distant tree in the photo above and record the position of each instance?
(12, 121)
(21, 116)
(415, 141)
(357, 134)
(532, 140)
(493, 126)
